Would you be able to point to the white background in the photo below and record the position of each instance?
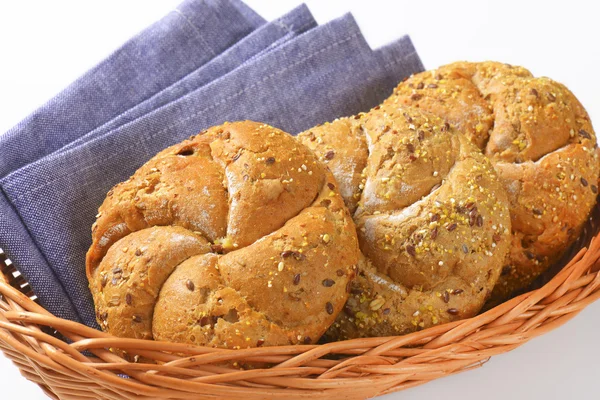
(46, 45)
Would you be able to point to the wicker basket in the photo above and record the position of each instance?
(355, 369)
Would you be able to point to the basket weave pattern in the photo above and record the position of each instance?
(355, 369)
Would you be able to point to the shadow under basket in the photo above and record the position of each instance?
(354, 369)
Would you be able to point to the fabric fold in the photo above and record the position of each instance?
(264, 39)
(20, 248)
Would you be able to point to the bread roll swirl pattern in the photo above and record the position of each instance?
(237, 237)
(541, 143)
(431, 216)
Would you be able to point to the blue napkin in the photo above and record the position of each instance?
(187, 38)
(293, 83)
(264, 39)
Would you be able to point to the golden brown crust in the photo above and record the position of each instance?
(448, 91)
(196, 306)
(269, 267)
(167, 190)
(326, 139)
(540, 142)
(129, 279)
(431, 219)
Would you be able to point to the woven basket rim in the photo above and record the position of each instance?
(83, 366)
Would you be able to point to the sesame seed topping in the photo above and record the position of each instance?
(287, 253)
(584, 134)
(445, 296)
(376, 304)
(329, 308)
(328, 282)
(280, 266)
(190, 285)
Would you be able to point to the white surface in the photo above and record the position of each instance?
(46, 45)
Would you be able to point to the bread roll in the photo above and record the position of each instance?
(432, 219)
(539, 139)
(237, 237)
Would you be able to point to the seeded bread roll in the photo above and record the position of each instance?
(539, 139)
(235, 238)
(431, 216)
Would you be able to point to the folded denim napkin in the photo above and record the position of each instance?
(292, 83)
(264, 39)
(187, 38)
